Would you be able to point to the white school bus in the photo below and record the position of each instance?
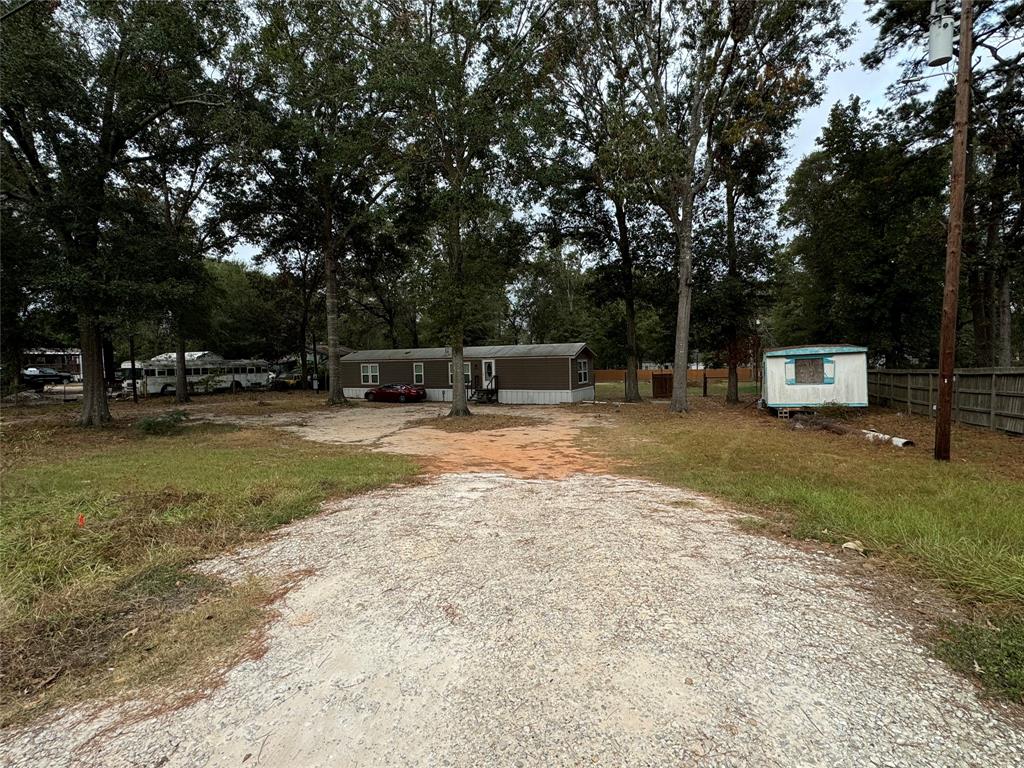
(204, 372)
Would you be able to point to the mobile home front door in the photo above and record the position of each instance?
(488, 374)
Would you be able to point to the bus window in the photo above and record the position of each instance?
(151, 371)
(251, 370)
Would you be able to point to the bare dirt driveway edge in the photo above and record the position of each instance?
(482, 618)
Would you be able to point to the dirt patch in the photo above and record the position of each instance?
(544, 444)
(484, 423)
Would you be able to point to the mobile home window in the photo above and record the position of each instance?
(417, 373)
(582, 371)
(466, 374)
(810, 370)
(369, 373)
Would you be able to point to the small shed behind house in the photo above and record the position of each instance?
(815, 375)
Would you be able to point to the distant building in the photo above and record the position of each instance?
(65, 360)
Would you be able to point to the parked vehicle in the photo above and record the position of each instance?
(213, 376)
(397, 393)
(37, 378)
(289, 380)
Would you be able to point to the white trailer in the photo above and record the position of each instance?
(812, 376)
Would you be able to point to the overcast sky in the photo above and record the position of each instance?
(854, 80)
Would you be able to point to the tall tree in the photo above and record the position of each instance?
(598, 181)
(82, 82)
(867, 257)
(474, 68)
(692, 61)
(325, 148)
(993, 246)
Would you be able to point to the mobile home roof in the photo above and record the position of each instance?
(827, 349)
(439, 353)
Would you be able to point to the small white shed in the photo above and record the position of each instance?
(812, 376)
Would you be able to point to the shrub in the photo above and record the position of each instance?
(165, 424)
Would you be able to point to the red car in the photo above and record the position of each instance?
(397, 393)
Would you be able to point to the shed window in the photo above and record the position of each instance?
(582, 371)
(810, 370)
(417, 373)
(466, 374)
(369, 373)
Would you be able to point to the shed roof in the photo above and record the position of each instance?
(439, 353)
(814, 349)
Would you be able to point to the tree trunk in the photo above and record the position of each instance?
(180, 372)
(460, 403)
(109, 364)
(335, 392)
(732, 393)
(682, 221)
(1005, 334)
(95, 410)
(303, 355)
(632, 388)
(979, 283)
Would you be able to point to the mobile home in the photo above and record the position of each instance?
(513, 373)
(815, 375)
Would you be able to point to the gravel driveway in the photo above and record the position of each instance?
(482, 619)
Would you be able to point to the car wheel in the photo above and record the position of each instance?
(236, 387)
(369, 395)
(401, 398)
(165, 389)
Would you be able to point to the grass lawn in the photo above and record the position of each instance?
(107, 601)
(716, 388)
(959, 524)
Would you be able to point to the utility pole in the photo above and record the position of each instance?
(947, 336)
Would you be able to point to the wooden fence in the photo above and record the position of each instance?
(693, 375)
(984, 397)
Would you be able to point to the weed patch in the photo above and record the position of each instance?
(96, 550)
(993, 652)
(164, 424)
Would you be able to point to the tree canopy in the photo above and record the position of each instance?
(451, 172)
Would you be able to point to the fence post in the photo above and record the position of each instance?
(931, 390)
(992, 404)
(705, 394)
(910, 402)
